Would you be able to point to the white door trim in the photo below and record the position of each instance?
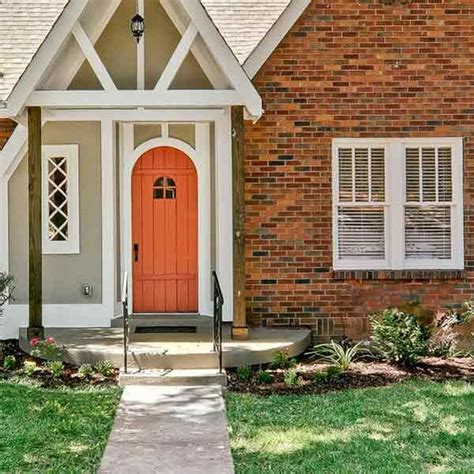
(201, 159)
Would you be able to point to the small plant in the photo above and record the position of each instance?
(264, 377)
(29, 368)
(338, 355)
(281, 360)
(445, 338)
(399, 336)
(331, 372)
(244, 372)
(9, 363)
(85, 371)
(56, 368)
(291, 378)
(105, 368)
(46, 348)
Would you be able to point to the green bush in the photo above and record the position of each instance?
(85, 371)
(264, 377)
(399, 336)
(281, 360)
(445, 339)
(56, 368)
(291, 378)
(29, 368)
(46, 348)
(244, 372)
(339, 355)
(331, 372)
(105, 368)
(9, 363)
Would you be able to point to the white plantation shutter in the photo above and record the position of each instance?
(429, 203)
(398, 203)
(360, 207)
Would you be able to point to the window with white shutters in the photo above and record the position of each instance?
(398, 203)
(360, 212)
(60, 189)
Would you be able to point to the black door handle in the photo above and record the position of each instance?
(135, 252)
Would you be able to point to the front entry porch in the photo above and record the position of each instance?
(181, 342)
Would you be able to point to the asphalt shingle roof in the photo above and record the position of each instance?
(24, 25)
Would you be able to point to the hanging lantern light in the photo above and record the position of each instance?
(137, 26)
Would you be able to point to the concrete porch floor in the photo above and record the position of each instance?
(174, 350)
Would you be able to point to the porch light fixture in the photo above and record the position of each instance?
(137, 25)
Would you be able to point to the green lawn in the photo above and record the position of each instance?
(62, 430)
(414, 427)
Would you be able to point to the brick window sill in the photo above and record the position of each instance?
(398, 274)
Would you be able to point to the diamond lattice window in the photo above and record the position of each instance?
(60, 199)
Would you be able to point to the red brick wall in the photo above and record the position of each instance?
(370, 68)
(6, 129)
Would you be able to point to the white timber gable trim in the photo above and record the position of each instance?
(274, 36)
(60, 199)
(47, 51)
(197, 25)
(398, 204)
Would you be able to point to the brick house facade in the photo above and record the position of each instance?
(350, 69)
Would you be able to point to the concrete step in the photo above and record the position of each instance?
(191, 359)
(175, 378)
(174, 320)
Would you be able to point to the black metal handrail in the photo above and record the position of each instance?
(218, 300)
(126, 322)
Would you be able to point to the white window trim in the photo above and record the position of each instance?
(72, 245)
(395, 201)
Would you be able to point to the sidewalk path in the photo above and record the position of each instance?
(169, 430)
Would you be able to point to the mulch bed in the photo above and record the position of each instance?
(361, 375)
(69, 377)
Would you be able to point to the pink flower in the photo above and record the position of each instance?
(50, 339)
(34, 341)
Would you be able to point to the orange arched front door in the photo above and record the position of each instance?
(164, 252)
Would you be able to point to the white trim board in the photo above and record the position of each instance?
(274, 36)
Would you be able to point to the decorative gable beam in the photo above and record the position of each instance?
(94, 60)
(134, 98)
(177, 59)
(224, 56)
(199, 51)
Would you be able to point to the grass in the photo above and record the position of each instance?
(56, 431)
(411, 427)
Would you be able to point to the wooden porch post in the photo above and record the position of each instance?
(239, 327)
(35, 327)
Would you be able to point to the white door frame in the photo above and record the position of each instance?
(201, 157)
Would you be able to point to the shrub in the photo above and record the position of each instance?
(56, 368)
(29, 368)
(264, 377)
(9, 363)
(399, 336)
(339, 355)
(85, 371)
(291, 378)
(244, 372)
(445, 339)
(105, 368)
(46, 348)
(281, 360)
(331, 372)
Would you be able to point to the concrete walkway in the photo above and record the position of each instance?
(169, 430)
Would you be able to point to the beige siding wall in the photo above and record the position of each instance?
(64, 275)
(117, 49)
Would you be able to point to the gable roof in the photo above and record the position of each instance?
(242, 23)
(25, 25)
